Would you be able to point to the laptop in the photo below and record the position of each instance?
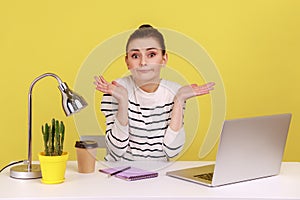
(249, 148)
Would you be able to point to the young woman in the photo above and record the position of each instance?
(144, 113)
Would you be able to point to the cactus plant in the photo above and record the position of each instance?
(53, 137)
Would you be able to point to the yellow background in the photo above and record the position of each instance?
(255, 45)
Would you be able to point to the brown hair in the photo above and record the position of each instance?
(147, 31)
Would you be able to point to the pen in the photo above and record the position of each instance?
(119, 171)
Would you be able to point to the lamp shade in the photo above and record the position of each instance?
(71, 101)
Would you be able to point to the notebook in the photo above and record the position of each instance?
(249, 148)
(131, 174)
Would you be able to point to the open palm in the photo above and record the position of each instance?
(189, 91)
(114, 88)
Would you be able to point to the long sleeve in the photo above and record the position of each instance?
(117, 136)
(173, 142)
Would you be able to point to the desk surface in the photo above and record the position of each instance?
(97, 185)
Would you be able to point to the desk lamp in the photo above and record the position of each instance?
(71, 103)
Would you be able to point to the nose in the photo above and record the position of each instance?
(143, 61)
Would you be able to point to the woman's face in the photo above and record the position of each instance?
(144, 59)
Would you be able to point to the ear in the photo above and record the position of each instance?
(126, 61)
(165, 59)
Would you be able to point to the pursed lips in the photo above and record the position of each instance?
(144, 70)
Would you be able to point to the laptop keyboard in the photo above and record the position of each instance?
(206, 176)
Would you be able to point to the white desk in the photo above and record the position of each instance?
(98, 186)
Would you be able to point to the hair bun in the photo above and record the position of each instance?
(145, 26)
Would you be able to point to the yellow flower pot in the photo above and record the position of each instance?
(53, 168)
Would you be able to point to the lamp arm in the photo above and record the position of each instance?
(30, 113)
(43, 76)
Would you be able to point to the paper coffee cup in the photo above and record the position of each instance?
(86, 155)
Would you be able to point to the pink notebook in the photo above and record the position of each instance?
(131, 174)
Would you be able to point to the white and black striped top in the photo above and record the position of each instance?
(147, 135)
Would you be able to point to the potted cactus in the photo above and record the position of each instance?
(53, 136)
(53, 160)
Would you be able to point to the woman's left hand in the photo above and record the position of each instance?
(189, 91)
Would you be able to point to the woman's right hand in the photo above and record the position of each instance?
(115, 89)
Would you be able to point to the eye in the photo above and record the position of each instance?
(152, 54)
(134, 56)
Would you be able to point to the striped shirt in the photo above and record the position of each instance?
(147, 135)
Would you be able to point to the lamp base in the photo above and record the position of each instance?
(22, 172)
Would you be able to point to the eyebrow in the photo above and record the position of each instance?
(147, 49)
